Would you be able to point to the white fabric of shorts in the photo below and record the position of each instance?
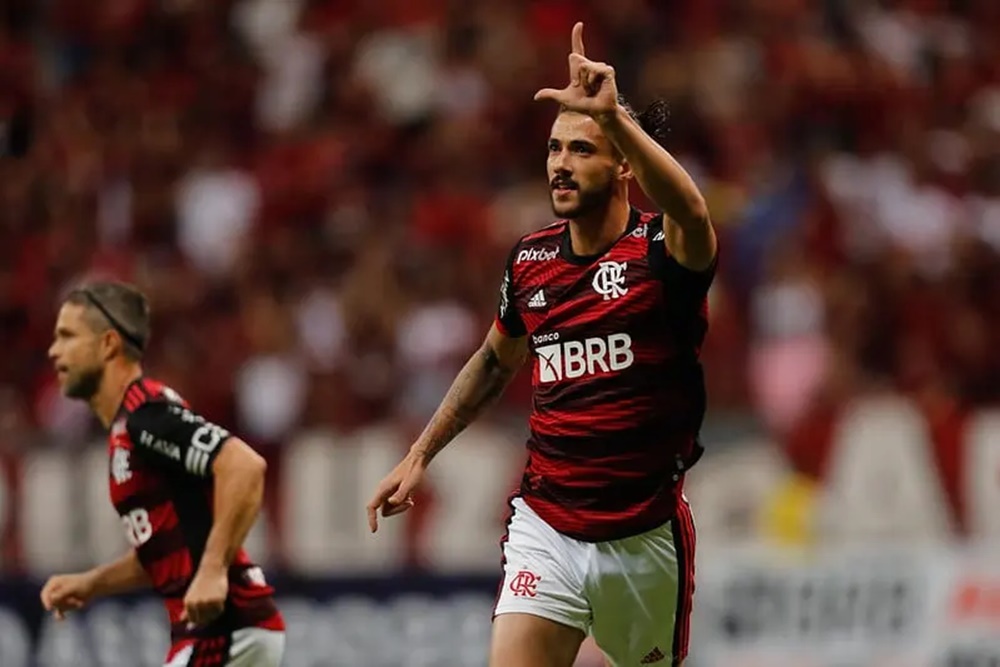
(633, 595)
(250, 647)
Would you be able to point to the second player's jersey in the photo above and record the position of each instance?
(619, 393)
(160, 476)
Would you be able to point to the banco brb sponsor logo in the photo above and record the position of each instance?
(573, 358)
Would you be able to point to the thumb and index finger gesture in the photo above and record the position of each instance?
(591, 88)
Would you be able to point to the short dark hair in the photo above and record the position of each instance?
(118, 306)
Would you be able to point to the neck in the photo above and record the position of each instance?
(108, 399)
(593, 234)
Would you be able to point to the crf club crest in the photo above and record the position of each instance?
(524, 584)
(120, 467)
(609, 281)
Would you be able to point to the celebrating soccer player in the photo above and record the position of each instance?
(612, 303)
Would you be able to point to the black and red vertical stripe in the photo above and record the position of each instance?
(683, 530)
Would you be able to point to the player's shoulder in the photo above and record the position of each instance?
(146, 390)
(540, 237)
(546, 233)
(148, 398)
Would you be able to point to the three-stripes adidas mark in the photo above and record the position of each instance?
(654, 656)
(538, 301)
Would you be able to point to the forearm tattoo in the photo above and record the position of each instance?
(478, 385)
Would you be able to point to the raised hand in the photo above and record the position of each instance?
(591, 88)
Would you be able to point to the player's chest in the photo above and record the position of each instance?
(619, 289)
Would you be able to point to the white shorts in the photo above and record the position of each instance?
(633, 595)
(247, 647)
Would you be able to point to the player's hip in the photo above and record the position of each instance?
(244, 647)
(260, 612)
(663, 524)
(633, 594)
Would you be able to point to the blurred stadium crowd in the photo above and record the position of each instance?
(318, 195)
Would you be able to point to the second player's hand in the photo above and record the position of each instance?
(206, 596)
(591, 90)
(395, 492)
(67, 592)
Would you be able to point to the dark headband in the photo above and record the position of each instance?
(128, 336)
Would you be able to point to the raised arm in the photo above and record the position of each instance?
(592, 90)
(689, 235)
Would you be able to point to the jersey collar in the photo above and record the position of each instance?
(566, 245)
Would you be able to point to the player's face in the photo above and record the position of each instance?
(582, 166)
(75, 353)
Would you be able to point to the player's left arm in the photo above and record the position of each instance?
(182, 441)
(174, 438)
(688, 232)
(239, 474)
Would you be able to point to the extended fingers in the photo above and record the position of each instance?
(577, 39)
(552, 94)
(372, 508)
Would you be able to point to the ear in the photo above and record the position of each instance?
(625, 172)
(109, 344)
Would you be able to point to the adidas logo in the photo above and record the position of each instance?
(659, 236)
(538, 301)
(653, 656)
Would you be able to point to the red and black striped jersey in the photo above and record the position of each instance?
(618, 389)
(160, 476)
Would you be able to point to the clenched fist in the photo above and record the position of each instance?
(206, 596)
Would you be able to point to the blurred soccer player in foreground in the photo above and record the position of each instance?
(186, 490)
(611, 302)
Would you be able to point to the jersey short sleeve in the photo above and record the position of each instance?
(691, 286)
(508, 318)
(170, 435)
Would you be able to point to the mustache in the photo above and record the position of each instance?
(564, 183)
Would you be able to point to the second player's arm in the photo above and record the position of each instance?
(119, 576)
(198, 448)
(69, 592)
(688, 229)
(478, 385)
(238, 482)
(238, 473)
